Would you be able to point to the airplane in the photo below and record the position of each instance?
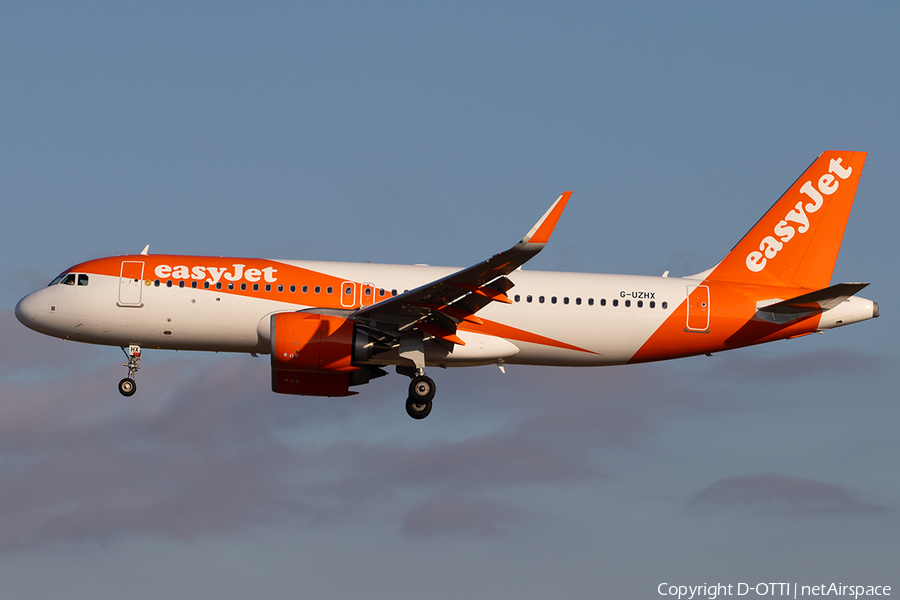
(330, 326)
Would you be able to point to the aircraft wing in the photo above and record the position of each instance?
(437, 307)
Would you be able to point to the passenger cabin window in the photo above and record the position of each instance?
(82, 279)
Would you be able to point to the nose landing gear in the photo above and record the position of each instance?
(127, 387)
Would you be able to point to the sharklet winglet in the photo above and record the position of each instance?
(540, 233)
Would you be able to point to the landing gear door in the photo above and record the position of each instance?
(698, 308)
(130, 282)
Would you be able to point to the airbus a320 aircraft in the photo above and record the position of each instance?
(329, 326)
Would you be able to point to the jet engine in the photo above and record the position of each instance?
(318, 355)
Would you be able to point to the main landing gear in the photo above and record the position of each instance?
(127, 387)
(421, 393)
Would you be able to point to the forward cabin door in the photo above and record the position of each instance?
(130, 283)
(698, 308)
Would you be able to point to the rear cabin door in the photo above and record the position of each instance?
(130, 282)
(698, 308)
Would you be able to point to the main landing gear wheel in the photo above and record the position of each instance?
(421, 393)
(127, 387)
(422, 388)
(418, 409)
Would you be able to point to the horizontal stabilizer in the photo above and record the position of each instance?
(813, 302)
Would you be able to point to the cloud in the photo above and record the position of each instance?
(773, 493)
(79, 462)
(443, 516)
(24, 349)
(206, 448)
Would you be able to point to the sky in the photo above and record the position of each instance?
(439, 133)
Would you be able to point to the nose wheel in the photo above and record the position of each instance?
(421, 393)
(128, 386)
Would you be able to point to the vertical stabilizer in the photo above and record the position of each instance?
(796, 243)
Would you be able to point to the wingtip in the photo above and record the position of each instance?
(540, 233)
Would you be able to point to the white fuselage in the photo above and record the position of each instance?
(555, 318)
(560, 306)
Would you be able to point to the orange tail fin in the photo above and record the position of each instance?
(796, 243)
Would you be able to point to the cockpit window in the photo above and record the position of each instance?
(69, 279)
(82, 279)
(57, 279)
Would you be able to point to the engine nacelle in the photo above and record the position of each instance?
(315, 355)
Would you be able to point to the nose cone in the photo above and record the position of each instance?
(26, 311)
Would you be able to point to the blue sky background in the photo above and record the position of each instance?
(414, 133)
